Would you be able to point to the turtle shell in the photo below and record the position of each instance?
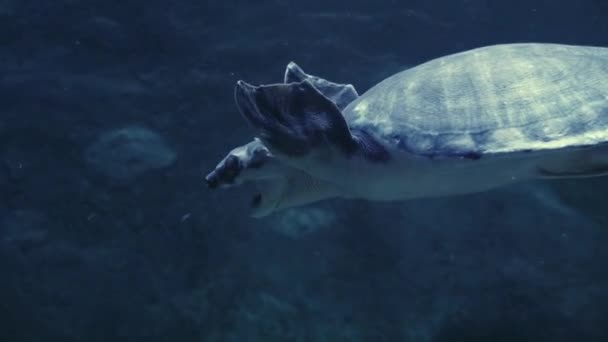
(496, 99)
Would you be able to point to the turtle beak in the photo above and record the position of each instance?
(212, 180)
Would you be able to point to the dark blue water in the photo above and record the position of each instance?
(111, 112)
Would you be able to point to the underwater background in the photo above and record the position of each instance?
(111, 113)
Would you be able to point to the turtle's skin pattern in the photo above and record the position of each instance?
(495, 99)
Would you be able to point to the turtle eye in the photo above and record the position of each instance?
(231, 167)
(257, 155)
(258, 158)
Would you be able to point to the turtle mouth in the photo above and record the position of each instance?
(256, 201)
(267, 198)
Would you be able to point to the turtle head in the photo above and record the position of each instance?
(250, 162)
(241, 162)
(277, 186)
(300, 126)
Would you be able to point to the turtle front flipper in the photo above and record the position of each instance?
(340, 94)
(294, 119)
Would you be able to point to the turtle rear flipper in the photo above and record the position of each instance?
(581, 163)
(294, 119)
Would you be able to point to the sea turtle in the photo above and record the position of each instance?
(463, 123)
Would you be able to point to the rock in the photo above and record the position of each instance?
(298, 222)
(266, 315)
(125, 153)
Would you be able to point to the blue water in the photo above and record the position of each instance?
(111, 113)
